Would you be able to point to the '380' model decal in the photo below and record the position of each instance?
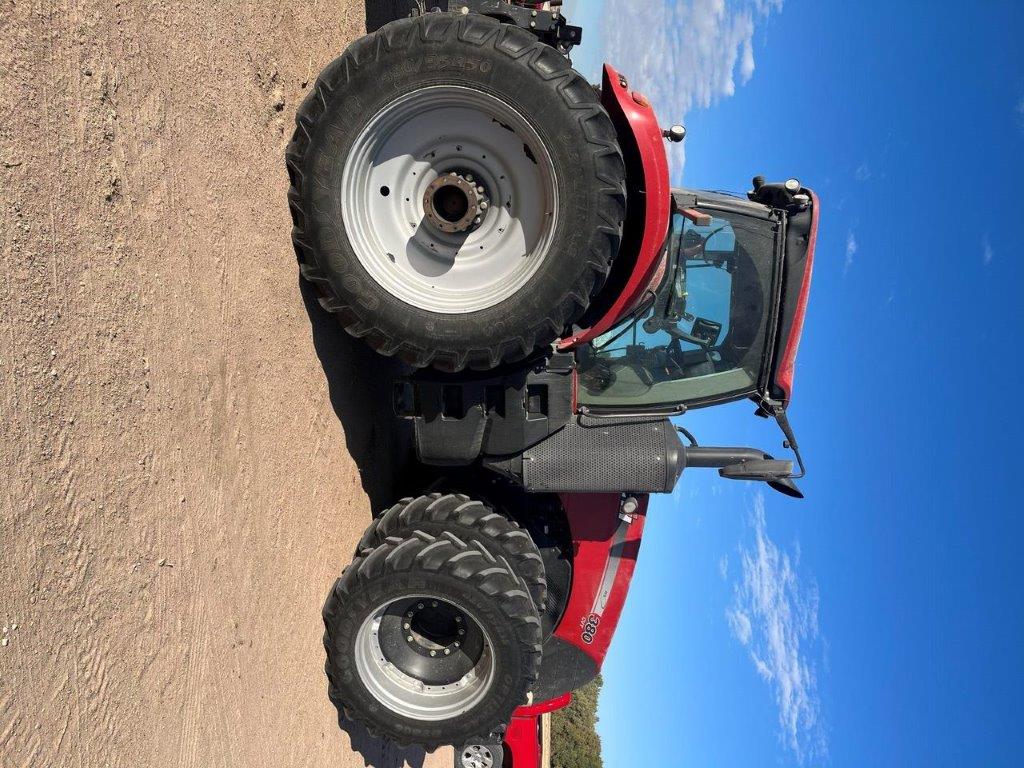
(590, 627)
(611, 569)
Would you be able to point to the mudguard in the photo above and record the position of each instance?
(647, 208)
(605, 546)
(604, 552)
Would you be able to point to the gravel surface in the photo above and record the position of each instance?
(175, 491)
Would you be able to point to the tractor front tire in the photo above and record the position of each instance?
(457, 191)
(430, 641)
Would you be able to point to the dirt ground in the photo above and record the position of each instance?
(176, 490)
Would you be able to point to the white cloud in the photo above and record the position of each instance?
(851, 251)
(740, 625)
(684, 54)
(863, 172)
(775, 617)
(723, 567)
(987, 254)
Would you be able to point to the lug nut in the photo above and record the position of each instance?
(405, 626)
(409, 638)
(433, 653)
(447, 651)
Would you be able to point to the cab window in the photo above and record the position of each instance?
(700, 338)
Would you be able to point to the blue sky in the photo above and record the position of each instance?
(879, 622)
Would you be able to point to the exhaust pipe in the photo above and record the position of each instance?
(746, 464)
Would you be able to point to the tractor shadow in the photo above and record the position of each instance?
(360, 386)
(377, 752)
(359, 383)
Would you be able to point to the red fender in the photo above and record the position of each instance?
(649, 204)
(522, 739)
(605, 548)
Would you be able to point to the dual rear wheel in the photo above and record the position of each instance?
(436, 639)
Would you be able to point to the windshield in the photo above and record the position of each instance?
(701, 338)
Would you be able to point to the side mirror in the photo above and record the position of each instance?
(774, 472)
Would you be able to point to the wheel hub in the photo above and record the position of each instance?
(476, 756)
(401, 657)
(450, 200)
(454, 202)
(434, 628)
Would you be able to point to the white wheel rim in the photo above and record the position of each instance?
(403, 693)
(401, 151)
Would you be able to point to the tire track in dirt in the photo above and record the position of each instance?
(177, 496)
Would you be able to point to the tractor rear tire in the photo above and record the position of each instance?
(457, 191)
(472, 521)
(430, 641)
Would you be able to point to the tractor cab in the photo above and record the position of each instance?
(699, 336)
(717, 317)
(722, 314)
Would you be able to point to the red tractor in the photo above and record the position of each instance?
(467, 203)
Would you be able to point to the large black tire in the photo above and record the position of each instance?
(471, 521)
(451, 570)
(477, 52)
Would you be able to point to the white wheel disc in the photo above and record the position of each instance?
(405, 148)
(396, 686)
